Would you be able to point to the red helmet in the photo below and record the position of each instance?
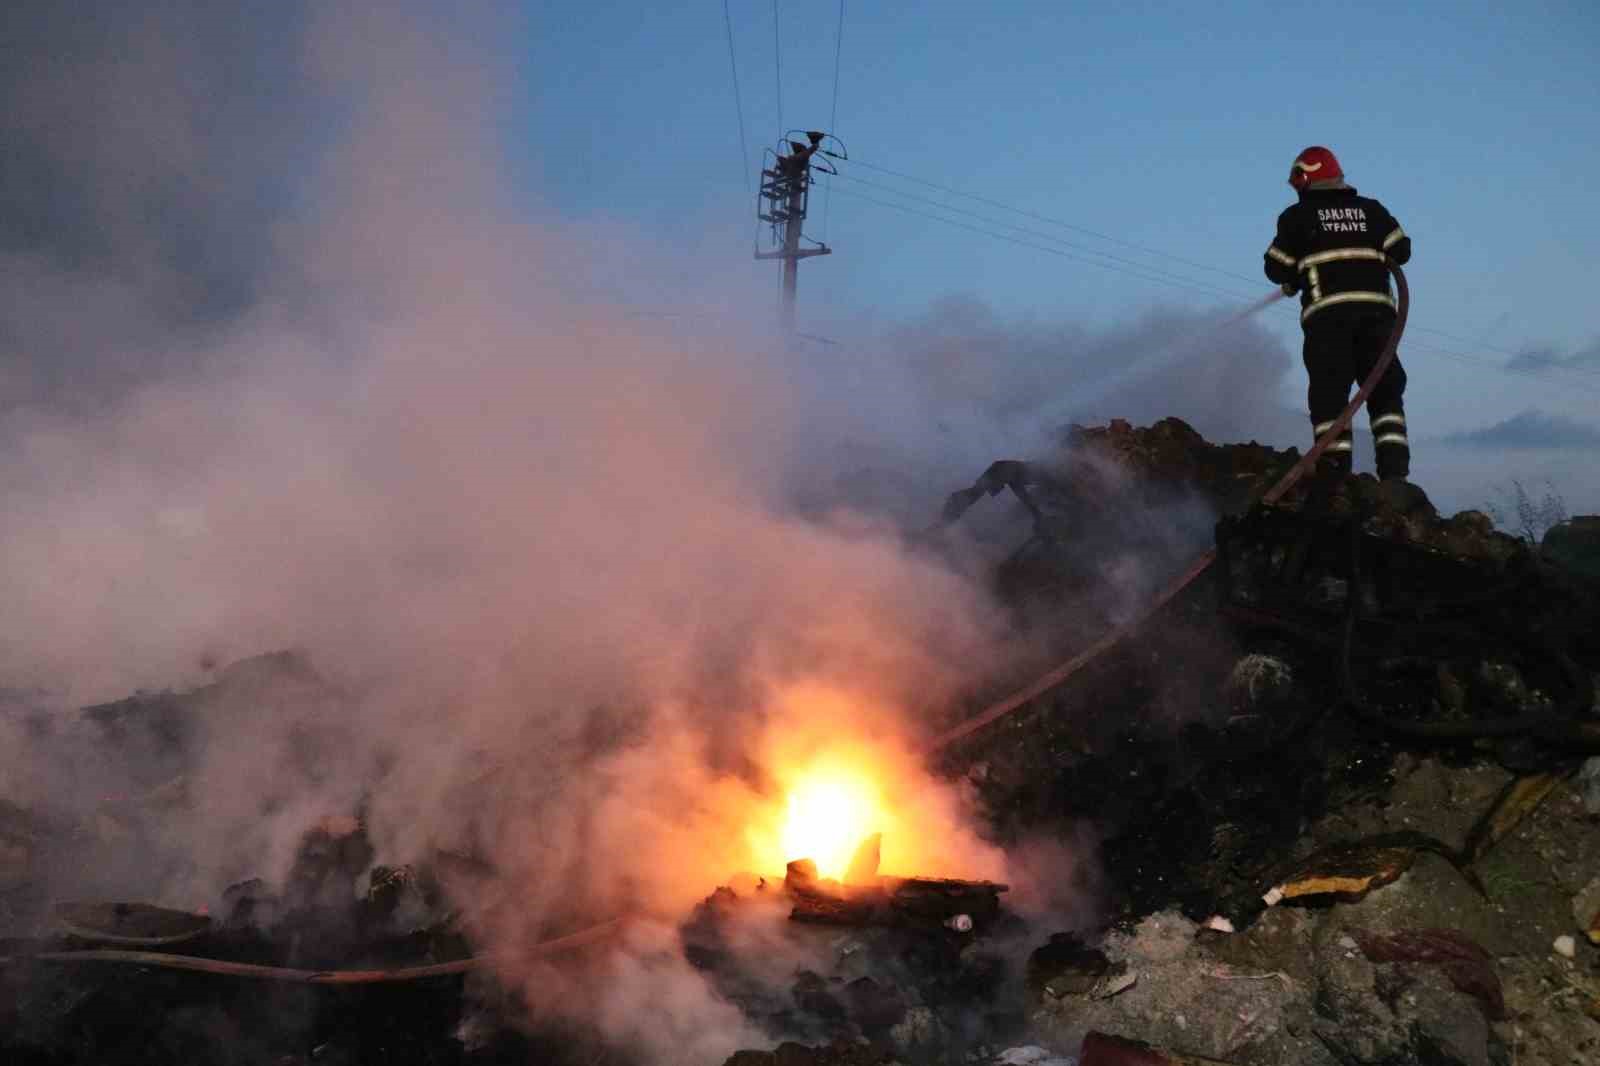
(1314, 164)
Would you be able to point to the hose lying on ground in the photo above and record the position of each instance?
(160, 960)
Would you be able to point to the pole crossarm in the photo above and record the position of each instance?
(781, 203)
(803, 253)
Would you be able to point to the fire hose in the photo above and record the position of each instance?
(1544, 725)
(991, 714)
(162, 960)
(1117, 634)
(1556, 725)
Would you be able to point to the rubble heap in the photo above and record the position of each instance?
(1339, 800)
(1118, 472)
(1324, 779)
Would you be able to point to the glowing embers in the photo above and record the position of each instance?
(867, 899)
(831, 809)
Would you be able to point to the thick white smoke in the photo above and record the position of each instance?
(546, 556)
(345, 392)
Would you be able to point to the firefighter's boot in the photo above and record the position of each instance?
(1392, 445)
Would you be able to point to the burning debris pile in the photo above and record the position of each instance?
(1337, 802)
(1337, 785)
(887, 959)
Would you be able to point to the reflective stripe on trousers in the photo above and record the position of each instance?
(1357, 296)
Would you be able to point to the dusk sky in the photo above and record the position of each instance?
(392, 404)
(1047, 190)
(1169, 127)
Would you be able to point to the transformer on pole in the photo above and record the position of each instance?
(781, 204)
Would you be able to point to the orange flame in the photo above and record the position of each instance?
(832, 808)
(839, 781)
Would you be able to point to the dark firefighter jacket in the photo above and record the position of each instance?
(1331, 248)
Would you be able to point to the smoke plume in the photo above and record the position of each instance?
(286, 363)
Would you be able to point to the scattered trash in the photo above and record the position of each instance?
(900, 928)
(1516, 801)
(129, 925)
(1347, 871)
(1113, 984)
(1469, 967)
(1224, 974)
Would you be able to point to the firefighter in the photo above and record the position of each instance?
(1331, 248)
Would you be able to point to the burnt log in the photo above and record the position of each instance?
(869, 907)
(909, 901)
(936, 900)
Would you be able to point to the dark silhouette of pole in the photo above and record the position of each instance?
(791, 248)
(785, 187)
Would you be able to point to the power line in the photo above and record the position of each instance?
(1048, 248)
(777, 63)
(1054, 221)
(1146, 270)
(833, 116)
(1177, 259)
(1085, 249)
(738, 103)
(1502, 351)
(1173, 281)
(1429, 347)
(838, 48)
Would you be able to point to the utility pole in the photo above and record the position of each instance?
(781, 204)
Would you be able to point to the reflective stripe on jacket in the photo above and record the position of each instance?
(1332, 246)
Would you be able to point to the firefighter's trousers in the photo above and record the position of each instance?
(1342, 344)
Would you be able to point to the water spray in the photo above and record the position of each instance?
(1165, 356)
(1256, 308)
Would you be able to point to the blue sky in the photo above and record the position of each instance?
(1169, 126)
(158, 156)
